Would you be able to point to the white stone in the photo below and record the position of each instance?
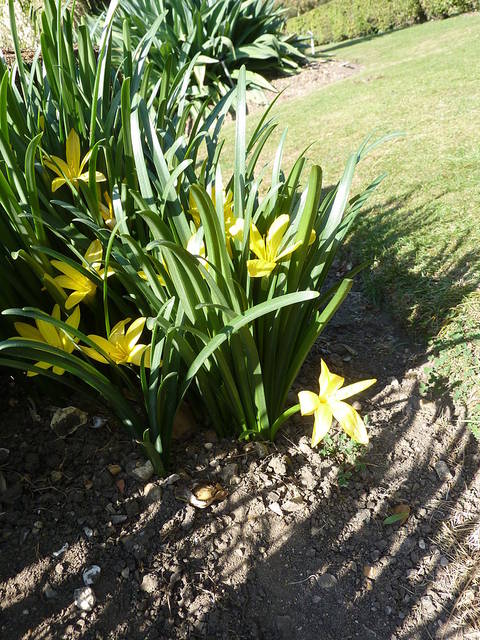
(91, 575)
(84, 598)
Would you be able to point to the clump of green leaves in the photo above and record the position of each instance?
(216, 36)
(145, 274)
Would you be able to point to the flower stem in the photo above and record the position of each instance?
(283, 418)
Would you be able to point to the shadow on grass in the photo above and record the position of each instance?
(419, 292)
(238, 570)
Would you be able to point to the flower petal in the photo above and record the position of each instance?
(119, 330)
(49, 333)
(322, 423)
(25, 330)
(329, 382)
(58, 166)
(352, 389)
(275, 234)
(195, 245)
(309, 402)
(75, 298)
(94, 252)
(134, 332)
(260, 268)
(193, 210)
(73, 152)
(94, 355)
(74, 319)
(104, 344)
(40, 365)
(99, 177)
(57, 183)
(86, 158)
(135, 356)
(257, 243)
(350, 421)
(67, 269)
(289, 250)
(65, 282)
(236, 229)
(58, 370)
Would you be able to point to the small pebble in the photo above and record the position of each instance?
(91, 575)
(84, 598)
(60, 551)
(98, 422)
(370, 572)
(275, 507)
(149, 583)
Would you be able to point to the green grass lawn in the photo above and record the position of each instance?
(422, 233)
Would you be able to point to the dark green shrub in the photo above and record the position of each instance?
(445, 8)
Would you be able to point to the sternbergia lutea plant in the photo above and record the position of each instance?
(145, 274)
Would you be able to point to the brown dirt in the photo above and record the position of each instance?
(323, 566)
(317, 74)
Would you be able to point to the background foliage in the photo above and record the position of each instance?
(217, 36)
(345, 19)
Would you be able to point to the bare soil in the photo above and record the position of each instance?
(298, 549)
(318, 74)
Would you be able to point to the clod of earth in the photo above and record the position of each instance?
(144, 472)
(67, 420)
(442, 470)
(326, 581)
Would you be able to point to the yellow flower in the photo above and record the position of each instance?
(47, 333)
(81, 286)
(106, 211)
(267, 249)
(121, 346)
(193, 209)
(196, 247)
(72, 169)
(233, 226)
(329, 403)
(160, 278)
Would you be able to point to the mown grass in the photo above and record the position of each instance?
(422, 233)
